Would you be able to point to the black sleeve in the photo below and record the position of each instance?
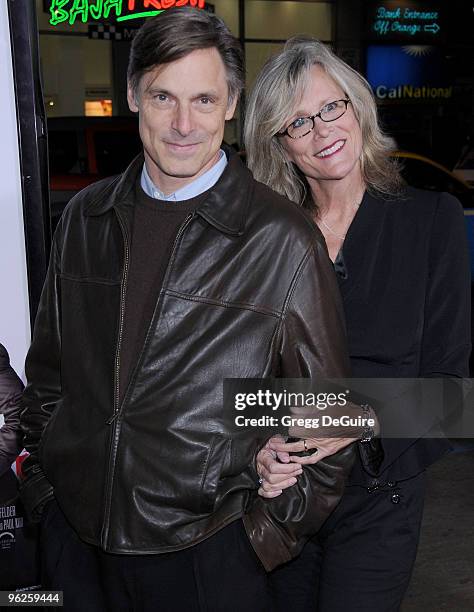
(43, 390)
(447, 331)
(446, 340)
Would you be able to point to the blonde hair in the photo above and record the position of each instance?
(278, 88)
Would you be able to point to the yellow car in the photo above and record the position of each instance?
(425, 173)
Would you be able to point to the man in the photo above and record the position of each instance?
(164, 281)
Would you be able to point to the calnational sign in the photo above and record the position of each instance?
(408, 91)
(70, 11)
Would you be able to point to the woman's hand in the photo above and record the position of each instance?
(314, 449)
(278, 468)
(275, 469)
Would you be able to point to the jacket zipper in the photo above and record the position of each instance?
(113, 420)
(123, 290)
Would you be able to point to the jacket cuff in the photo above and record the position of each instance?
(260, 530)
(279, 528)
(35, 493)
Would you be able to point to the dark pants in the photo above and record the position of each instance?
(362, 558)
(220, 574)
(69, 565)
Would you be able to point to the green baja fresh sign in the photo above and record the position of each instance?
(70, 11)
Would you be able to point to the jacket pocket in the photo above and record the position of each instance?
(47, 430)
(217, 458)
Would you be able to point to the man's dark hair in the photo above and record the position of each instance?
(174, 34)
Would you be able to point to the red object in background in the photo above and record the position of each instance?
(164, 4)
(83, 150)
(18, 463)
(71, 182)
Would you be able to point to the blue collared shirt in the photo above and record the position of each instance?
(193, 189)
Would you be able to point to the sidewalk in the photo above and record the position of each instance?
(444, 571)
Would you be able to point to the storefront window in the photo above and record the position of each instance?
(269, 23)
(76, 70)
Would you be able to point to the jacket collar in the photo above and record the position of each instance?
(226, 206)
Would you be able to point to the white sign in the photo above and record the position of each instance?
(14, 308)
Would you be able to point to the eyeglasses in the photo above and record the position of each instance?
(304, 125)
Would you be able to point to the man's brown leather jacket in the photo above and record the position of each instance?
(248, 292)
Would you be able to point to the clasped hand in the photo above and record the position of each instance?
(279, 468)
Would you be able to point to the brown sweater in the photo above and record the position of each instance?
(155, 226)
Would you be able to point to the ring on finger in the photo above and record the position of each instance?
(305, 446)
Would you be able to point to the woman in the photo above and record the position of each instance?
(401, 260)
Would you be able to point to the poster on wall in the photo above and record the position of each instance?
(18, 537)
